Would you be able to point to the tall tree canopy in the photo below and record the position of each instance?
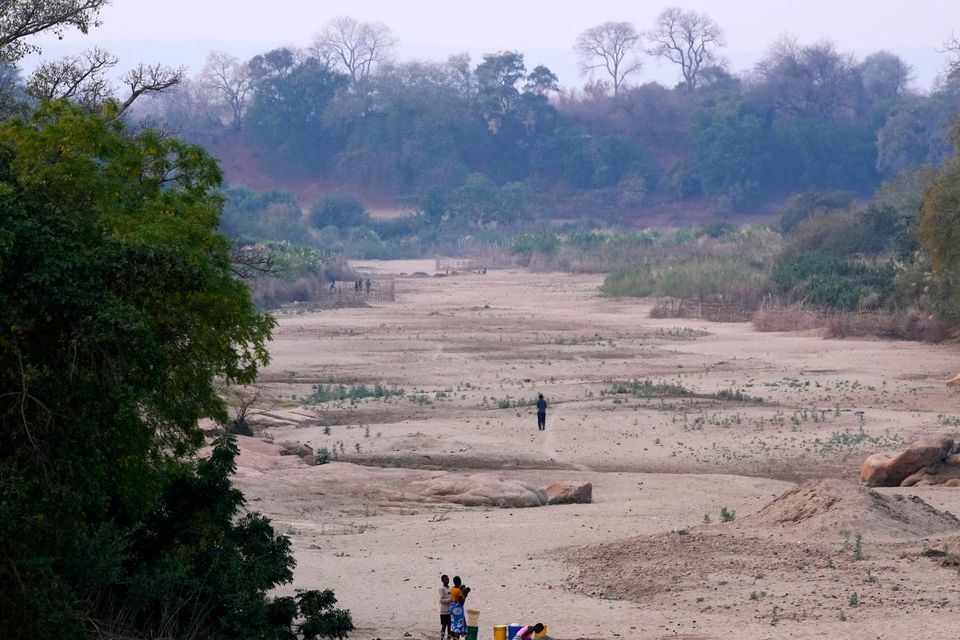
(20, 19)
(939, 232)
(118, 311)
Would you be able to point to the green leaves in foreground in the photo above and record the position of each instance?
(118, 310)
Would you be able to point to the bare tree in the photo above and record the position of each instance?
(81, 79)
(952, 50)
(807, 80)
(354, 47)
(687, 39)
(884, 76)
(231, 81)
(20, 19)
(611, 46)
(251, 261)
(149, 78)
(244, 410)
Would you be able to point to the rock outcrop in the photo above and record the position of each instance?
(890, 470)
(945, 472)
(475, 491)
(569, 493)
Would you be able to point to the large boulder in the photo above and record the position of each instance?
(886, 470)
(943, 472)
(569, 493)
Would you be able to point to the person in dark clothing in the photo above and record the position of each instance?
(541, 413)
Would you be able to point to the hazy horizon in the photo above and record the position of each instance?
(177, 32)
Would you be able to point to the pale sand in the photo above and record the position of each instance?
(465, 343)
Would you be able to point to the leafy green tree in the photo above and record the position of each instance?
(285, 119)
(118, 311)
(914, 134)
(497, 79)
(255, 217)
(475, 201)
(21, 19)
(804, 205)
(732, 146)
(341, 211)
(939, 232)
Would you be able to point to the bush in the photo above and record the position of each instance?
(340, 211)
(805, 205)
(909, 325)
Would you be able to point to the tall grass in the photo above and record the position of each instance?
(690, 266)
(702, 278)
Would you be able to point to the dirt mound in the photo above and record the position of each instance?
(639, 568)
(835, 506)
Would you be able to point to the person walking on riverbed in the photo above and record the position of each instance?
(541, 413)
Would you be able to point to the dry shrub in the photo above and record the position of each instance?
(272, 293)
(337, 268)
(904, 325)
(792, 317)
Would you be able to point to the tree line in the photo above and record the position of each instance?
(429, 135)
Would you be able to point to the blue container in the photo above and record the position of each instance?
(512, 630)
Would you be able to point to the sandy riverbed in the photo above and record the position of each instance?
(722, 417)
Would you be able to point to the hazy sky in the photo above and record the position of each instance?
(184, 31)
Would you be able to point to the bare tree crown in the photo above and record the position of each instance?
(611, 47)
(355, 47)
(688, 39)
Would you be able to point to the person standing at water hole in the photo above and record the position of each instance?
(541, 413)
(458, 621)
(445, 607)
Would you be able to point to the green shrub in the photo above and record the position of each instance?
(340, 211)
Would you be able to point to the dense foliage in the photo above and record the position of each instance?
(118, 311)
(940, 233)
(495, 142)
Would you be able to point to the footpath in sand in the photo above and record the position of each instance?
(670, 420)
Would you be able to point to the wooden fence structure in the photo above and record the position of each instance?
(712, 308)
(347, 293)
(447, 264)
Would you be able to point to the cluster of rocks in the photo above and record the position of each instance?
(477, 490)
(303, 451)
(484, 491)
(927, 461)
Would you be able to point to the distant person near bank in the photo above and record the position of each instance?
(541, 413)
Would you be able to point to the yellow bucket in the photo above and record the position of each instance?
(542, 633)
(500, 632)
